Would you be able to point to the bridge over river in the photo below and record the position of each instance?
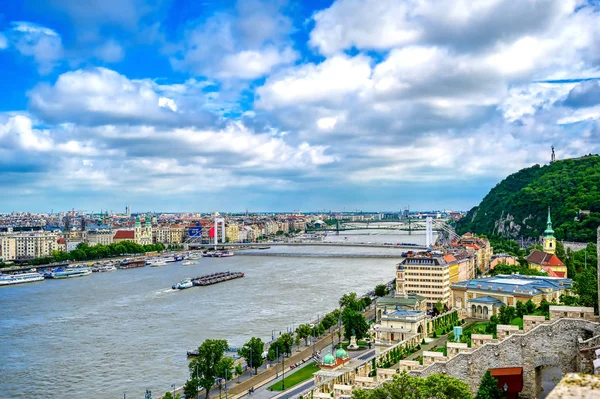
(400, 246)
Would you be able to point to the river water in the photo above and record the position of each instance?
(127, 331)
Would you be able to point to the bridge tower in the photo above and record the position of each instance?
(429, 232)
(222, 222)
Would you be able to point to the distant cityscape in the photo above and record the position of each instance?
(25, 236)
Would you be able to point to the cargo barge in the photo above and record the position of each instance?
(208, 279)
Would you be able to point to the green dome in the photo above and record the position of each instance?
(329, 359)
(341, 354)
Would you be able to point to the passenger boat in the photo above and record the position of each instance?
(182, 285)
(20, 278)
(158, 263)
(178, 258)
(225, 254)
(78, 271)
(132, 263)
(188, 263)
(104, 268)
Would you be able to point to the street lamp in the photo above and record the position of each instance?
(173, 386)
(505, 387)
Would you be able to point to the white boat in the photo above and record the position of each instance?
(158, 263)
(188, 263)
(69, 272)
(20, 278)
(182, 285)
(105, 268)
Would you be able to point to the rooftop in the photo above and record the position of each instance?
(516, 284)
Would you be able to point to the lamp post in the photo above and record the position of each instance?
(283, 371)
(173, 386)
(505, 387)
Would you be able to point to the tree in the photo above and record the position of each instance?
(224, 371)
(521, 310)
(488, 388)
(271, 354)
(530, 306)
(287, 341)
(439, 308)
(441, 386)
(585, 287)
(349, 301)
(169, 395)
(239, 370)
(365, 302)
(355, 322)
(297, 341)
(303, 331)
(506, 314)
(209, 362)
(381, 290)
(252, 351)
(190, 389)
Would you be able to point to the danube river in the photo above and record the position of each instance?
(126, 331)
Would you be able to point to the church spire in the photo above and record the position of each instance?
(549, 232)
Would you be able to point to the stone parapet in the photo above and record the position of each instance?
(409, 365)
(572, 312)
(478, 340)
(385, 374)
(505, 330)
(430, 357)
(454, 348)
(529, 322)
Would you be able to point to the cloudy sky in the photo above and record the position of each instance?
(174, 105)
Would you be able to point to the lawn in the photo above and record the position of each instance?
(297, 377)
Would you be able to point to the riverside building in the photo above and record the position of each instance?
(429, 276)
(481, 298)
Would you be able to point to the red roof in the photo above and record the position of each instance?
(544, 259)
(551, 273)
(61, 241)
(124, 235)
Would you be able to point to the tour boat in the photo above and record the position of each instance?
(105, 268)
(182, 285)
(158, 263)
(225, 254)
(69, 272)
(20, 278)
(188, 263)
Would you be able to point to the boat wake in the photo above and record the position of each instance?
(165, 291)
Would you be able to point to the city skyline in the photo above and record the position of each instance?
(287, 105)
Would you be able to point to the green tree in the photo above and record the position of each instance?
(439, 307)
(252, 351)
(530, 306)
(209, 362)
(506, 314)
(239, 370)
(585, 287)
(287, 341)
(191, 388)
(355, 322)
(224, 371)
(488, 388)
(521, 309)
(381, 290)
(441, 386)
(304, 331)
(349, 301)
(169, 395)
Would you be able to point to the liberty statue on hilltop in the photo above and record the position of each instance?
(553, 157)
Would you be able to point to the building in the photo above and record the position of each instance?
(481, 298)
(232, 232)
(101, 235)
(143, 235)
(479, 247)
(35, 244)
(8, 248)
(124, 235)
(398, 324)
(408, 302)
(503, 259)
(430, 275)
(546, 260)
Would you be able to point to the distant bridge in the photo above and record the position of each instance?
(307, 244)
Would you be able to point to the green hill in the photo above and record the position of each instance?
(518, 205)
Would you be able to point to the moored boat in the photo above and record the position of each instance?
(104, 268)
(132, 263)
(20, 278)
(188, 263)
(78, 271)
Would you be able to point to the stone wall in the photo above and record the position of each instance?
(575, 312)
(554, 344)
(529, 322)
(505, 330)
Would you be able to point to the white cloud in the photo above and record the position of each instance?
(247, 43)
(103, 96)
(3, 42)
(42, 44)
(329, 81)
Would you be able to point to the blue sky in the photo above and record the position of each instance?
(172, 105)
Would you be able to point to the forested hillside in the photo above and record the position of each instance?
(518, 205)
